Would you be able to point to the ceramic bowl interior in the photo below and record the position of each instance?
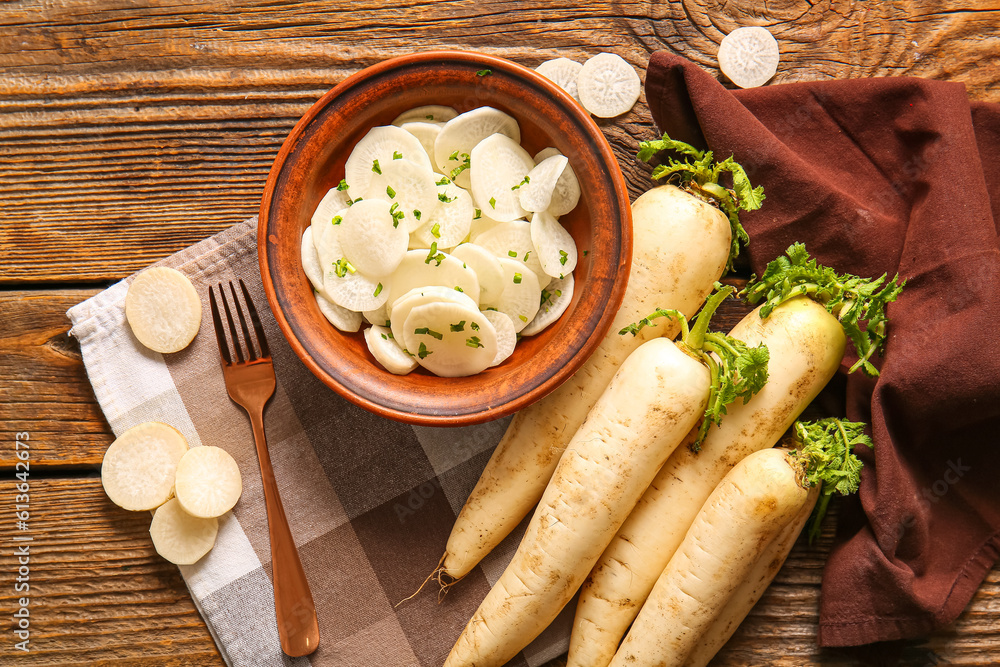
(311, 161)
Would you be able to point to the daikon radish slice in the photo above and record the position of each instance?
(421, 268)
(179, 537)
(426, 132)
(567, 193)
(555, 248)
(139, 467)
(450, 339)
(411, 187)
(555, 299)
(379, 315)
(310, 262)
(421, 296)
(486, 266)
(608, 85)
(521, 294)
(430, 113)
(380, 144)
(387, 351)
(481, 223)
(332, 203)
(563, 72)
(512, 240)
(450, 220)
(163, 309)
(373, 241)
(506, 335)
(338, 316)
(208, 482)
(461, 134)
(328, 246)
(354, 290)
(536, 194)
(499, 166)
(749, 56)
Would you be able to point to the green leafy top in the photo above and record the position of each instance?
(699, 174)
(848, 297)
(737, 370)
(826, 458)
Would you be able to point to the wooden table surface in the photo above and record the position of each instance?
(129, 130)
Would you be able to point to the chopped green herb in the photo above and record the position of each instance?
(396, 214)
(563, 256)
(396, 155)
(416, 214)
(445, 198)
(378, 289)
(512, 253)
(524, 182)
(342, 185)
(523, 318)
(484, 72)
(423, 351)
(493, 202)
(428, 332)
(474, 342)
(355, 201)
(459, 289)
(458, 327)
(433, 255)
(389, 191)
(517, 278)
(460, 168)
(454, 156)
(337, 219)
(478, 215)
(377, 169)
(474, 326)
(342, 267)
(586, 252)
(384, 337)
(444, 181)
(429, 116)
(436, 230)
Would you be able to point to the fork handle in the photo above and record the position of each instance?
(298, 628)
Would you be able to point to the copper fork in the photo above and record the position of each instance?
(250, 383)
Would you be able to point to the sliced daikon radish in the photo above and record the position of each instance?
(310, 261)
(512, 240)
(328, 246)
(555, 248)
(450, 339)
(387, 351)
(461, 134)
(421, 268)
(481, 223)
(208, 482)
(521, 294)
(506, 335)
(554, 302)
(431, 113)
(499, 167)
(354, 290)
(139, 467)
(608, 85)
(426, 132)
(410, 186)
(749, 56)
(179, 537)
(536, 194)
(379, 315)
(450, 221)
(486, 266)
(338, 316)
(567, 192)
(163, 309)
(373, 241)
(422, 296)
(381, 144)
(563, 72)
(332, 203)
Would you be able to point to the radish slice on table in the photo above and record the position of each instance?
(208, 482)
(567, 192)
(608, 85)
(411, 187)
(486, 266)
(179, 537)
(332, 203)
(421, 268)
(521, 294)
(163, 309)
(536, 194)
(563, 72)
(426, 132)
(555, 299)
(450, 339)
(749, 56)
(387, 351)
(499, 168)
(450, 219)
(338, 316)
(373, 241)
(555, 248)
(381, 144)
(506, 335)
(430, 113)
(461, 134)
(421, 296)
(512, 240)
(354, 290)
(139, 467)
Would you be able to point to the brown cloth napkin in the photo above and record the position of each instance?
(880, 176)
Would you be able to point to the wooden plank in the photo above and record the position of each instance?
(129, 133)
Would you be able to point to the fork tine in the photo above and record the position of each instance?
(220, 332)
(243, 323)
(255, 318)
(232, 326)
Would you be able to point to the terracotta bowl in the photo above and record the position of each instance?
(311, 161)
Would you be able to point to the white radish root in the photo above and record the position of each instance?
(139, 467)
(749, 56)
(563, 72)
(608, 85)
(163, 309)
(387, 352)
(179, 537)
(208, 482)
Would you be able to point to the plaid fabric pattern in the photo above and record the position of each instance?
(370, 501)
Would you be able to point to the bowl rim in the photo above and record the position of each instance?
(492, 411)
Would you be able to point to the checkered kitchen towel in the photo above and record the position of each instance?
(370, 501)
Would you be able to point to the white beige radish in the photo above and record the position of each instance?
(608, 85)
(748, 56)
(681, 246)
(163, 309)
(139, 467)
(208, 482)
(179, 537)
